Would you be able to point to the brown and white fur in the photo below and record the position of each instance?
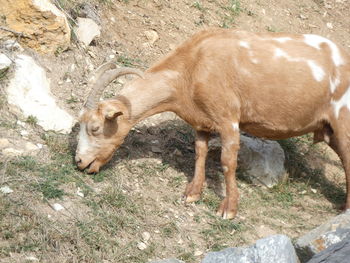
(271, 85)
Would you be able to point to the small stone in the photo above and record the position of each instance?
(313, 190)
(141, 246)
(177, 152)
(156, 231)
(87, 30)
(152, 36)
(156, 149)
(32, 258)
(4, 143)
(68, 80)
(329, 25)
(24, 133)
(198, 253)
(21, 123)
(155, 141)
(80, 193)
(57, 207)
(302, 17)
(303, 192)
(180, 242)
(6, 190)
(146, 236)
(39, 145)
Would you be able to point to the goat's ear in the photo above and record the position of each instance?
(112, 114)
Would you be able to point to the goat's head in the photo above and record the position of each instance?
(103, 125)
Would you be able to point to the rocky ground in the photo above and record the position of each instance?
(132, 211)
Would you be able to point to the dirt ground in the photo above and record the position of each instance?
(138, 196)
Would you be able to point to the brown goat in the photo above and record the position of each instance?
(271, 85)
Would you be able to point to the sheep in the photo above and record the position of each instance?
(270, 85)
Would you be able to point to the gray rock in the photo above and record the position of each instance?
(171, 260)
(276, 249)
(29, 91)
(262, 161)
(5, 62)
(87, 30)
(324, 236)
(87, 10)
(337, 253)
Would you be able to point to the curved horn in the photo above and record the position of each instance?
(104, 75)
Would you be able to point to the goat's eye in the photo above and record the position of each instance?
(95, 128)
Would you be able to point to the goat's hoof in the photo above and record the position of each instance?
(192, 193)
(192, 198)
(226, 210)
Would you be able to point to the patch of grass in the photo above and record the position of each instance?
(49, 189)
(169, 230)
(220, 232)
(57, 143)
(234, 7)
(72, 99)
(175, 182)
(3, 74)
(199, 6)
(187, 257)
(127, 62)
(210, 199)
(31, 120)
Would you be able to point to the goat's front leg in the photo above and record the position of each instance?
(229, 152)
(194, 189)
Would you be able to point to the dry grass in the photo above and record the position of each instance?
(135, 195)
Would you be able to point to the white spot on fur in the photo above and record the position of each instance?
(343, 102)
(83, 143)
(255, 61)
(235, 126)
(280, 53)
(315, 41)
(317, 71)
(282, 39)
(244, 44)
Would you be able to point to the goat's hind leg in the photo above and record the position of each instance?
(194, 189)
(339, 141)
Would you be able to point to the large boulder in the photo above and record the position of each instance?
(42, 25)
(277, 249)
(337, 253)
(29, 90)
(324, 236)
(261, 161)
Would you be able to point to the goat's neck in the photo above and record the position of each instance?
(149, 96)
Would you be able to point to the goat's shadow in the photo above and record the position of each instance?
(173, 143)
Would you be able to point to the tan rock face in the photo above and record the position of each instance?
(44, 27)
